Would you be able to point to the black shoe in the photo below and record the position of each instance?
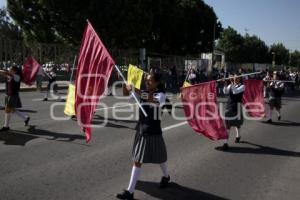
(279, 117)
(269, 121)
(225, 147)
(3, 129)
(164, 182)
(26, 121)
(125, 195)
(45, 99)
(237, 139)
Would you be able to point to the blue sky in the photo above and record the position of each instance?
(2, 3)
(272, 20)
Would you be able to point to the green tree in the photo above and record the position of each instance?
(231, 43)
(281, 54)
(166, 26)
(295, 58)
(254, 50)
(7, 28)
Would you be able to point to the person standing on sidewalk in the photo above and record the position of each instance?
(12, 99)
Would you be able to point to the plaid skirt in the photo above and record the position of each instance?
(149, 149)
(275, 102)
(13, 101)
(233, 119)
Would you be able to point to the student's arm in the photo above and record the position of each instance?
(226, 89)
(4, 73)
(238, 90)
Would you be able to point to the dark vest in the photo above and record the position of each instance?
(276, 92)
(150, 125)
(234, 100)
(12, 87)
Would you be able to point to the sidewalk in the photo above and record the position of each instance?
(24, 87)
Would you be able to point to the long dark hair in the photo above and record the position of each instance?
(17, 69)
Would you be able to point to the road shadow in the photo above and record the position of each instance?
(27, 111)
(115, 120)
(15, 137)
(174, 192)
(283, 123)
(109, 124)
(259, 149)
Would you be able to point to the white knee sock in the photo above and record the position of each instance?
(278, 112)
(270, 114)
(21, 115)
(238, 132)
(6, 119)
(164, 169)
(227, 140)
(134, 178)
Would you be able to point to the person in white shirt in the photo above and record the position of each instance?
(234, 114)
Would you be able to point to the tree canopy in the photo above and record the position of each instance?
(251, 49)
(7, 28)
(165, 26)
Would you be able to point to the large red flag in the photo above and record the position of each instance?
(253, 98)
(201, 110)
(30, 70)
(93, 71)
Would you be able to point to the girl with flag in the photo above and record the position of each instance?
(149, 145)
(12, 99)
(276, 90)
(234, 114)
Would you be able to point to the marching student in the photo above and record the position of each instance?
(266, 88)
(276, 90)
(51, 81)
(149, 145)
(12, 99)
(234, 114)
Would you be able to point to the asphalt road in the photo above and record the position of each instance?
(50, 159)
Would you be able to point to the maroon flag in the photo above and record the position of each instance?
(200, 107)
(30, 70)
(93, 71)
(253, 98)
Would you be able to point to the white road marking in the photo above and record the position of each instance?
(174, 126)
(121, 106)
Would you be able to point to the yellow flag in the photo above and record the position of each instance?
(70, 103)
(135, 76)
(186, 84)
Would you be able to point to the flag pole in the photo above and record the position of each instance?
(73, 68)
(187, 75)
(279, 81)
(132, 93)
(238, 76)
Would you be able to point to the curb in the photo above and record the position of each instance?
(31, 89)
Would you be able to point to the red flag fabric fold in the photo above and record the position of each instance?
(30, 70)
(93, 72)
(253, 98)
(201, 109)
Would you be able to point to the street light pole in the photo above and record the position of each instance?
(273, 63)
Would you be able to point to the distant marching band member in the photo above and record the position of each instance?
(51, 84)
(234, 114)
(276, 90)
(266, 88)
(12, 99)
(149, 145)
